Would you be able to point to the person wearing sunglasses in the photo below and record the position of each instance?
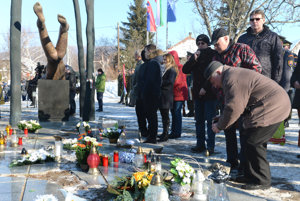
(205, 99)
(266, 45)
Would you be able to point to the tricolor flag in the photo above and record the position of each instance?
(159, 21)
(150, 19)
(171, 17)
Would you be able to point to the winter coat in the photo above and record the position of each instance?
(134, 90)
(71, 76)
(167, 85)
(260, 100)
(288, 69)
(268, 48)
(239, 55)
(296, 77)
(180, 85)
(100, 82)
(197, 68)
(150, 86)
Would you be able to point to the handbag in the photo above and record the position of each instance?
(279, 136)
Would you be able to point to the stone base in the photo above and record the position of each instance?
(53, 100)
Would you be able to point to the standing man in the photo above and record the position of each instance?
(100, 87)
(204, 98)
(71, 76)
(236, 55)
(266, 45)
(262, 105)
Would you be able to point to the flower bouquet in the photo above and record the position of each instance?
(131, 187)
(31, 125)
(70, 144)
(112, 134)
(36, 157)
(83, 125)
(83, 148)
(183, 175)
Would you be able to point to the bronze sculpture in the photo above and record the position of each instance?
(55, 66)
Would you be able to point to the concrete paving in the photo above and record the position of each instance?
(16, 185)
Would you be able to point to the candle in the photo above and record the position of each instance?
(10, 131)
(105, 161)
(58, 148)
(145, 158)
(20, 141)
(116, 156)
(26, 131)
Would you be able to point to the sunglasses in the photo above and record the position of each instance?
(201, 43)
(255, 19)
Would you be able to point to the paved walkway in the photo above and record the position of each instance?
(27, 182)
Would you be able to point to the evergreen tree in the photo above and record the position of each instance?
(134, 32)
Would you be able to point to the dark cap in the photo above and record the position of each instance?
(211, 68)
(218, 33)
(202, 37)
(189, 53)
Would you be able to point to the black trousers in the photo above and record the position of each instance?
(100, 100)
(257, 168)
(141, 117)
(165, 120)
(150, 107)
(72, 102)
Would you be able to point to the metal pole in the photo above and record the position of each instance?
(167, 36)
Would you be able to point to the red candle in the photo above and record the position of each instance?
(145, 158)
(20, 141)
(10, 131)
(105, 161)
(25, 131)
(116, 156)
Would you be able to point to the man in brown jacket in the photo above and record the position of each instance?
(262, 105)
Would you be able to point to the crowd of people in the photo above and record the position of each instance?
(246, 85)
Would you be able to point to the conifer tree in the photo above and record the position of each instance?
(134, 32)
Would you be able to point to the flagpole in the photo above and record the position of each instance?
(147, 35)
(167, 36)
(156, 36)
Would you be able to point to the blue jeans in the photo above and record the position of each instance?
(100, 100)
(205, 110)
(176, 118)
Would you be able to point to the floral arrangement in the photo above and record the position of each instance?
(132, 187)
(112, 133)
(31, 125)
(70, 144)
(83, 124)
(38, 156)
(182, 172)
(83, 147)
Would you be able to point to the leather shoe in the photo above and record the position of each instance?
(151, 141)
(240, 179)
(172, 136)
(163, 138)
(197, 149)
(255, 186)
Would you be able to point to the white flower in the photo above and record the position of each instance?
(78, 125)
(180, 173)
(74, 145)
(87, 139)
(186, 180)
(84, 124)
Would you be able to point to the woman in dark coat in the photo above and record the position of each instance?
(166, 96)
(295, 82)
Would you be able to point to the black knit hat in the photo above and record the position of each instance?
(204, 38)
(211, 68)
(218, 33)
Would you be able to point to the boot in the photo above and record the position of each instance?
(164, 136)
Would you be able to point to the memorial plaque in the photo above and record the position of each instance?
(53, 100)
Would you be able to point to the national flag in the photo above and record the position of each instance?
(171, 17)
(150, 19)
(124, 79)
(159, 21)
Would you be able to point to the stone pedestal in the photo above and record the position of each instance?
(53, 100)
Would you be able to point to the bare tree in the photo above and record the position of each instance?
(234, 15)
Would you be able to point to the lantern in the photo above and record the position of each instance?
(156, 191)
(197, 187)
(58, 147)
(25, 131)
(139, 158)
(2, 139)
(14, 140)
(93, 161)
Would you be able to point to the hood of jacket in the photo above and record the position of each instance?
(176, 58)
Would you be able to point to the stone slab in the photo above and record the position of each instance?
(53, 102)
(11, 188)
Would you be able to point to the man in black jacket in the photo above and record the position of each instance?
(266, 45)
